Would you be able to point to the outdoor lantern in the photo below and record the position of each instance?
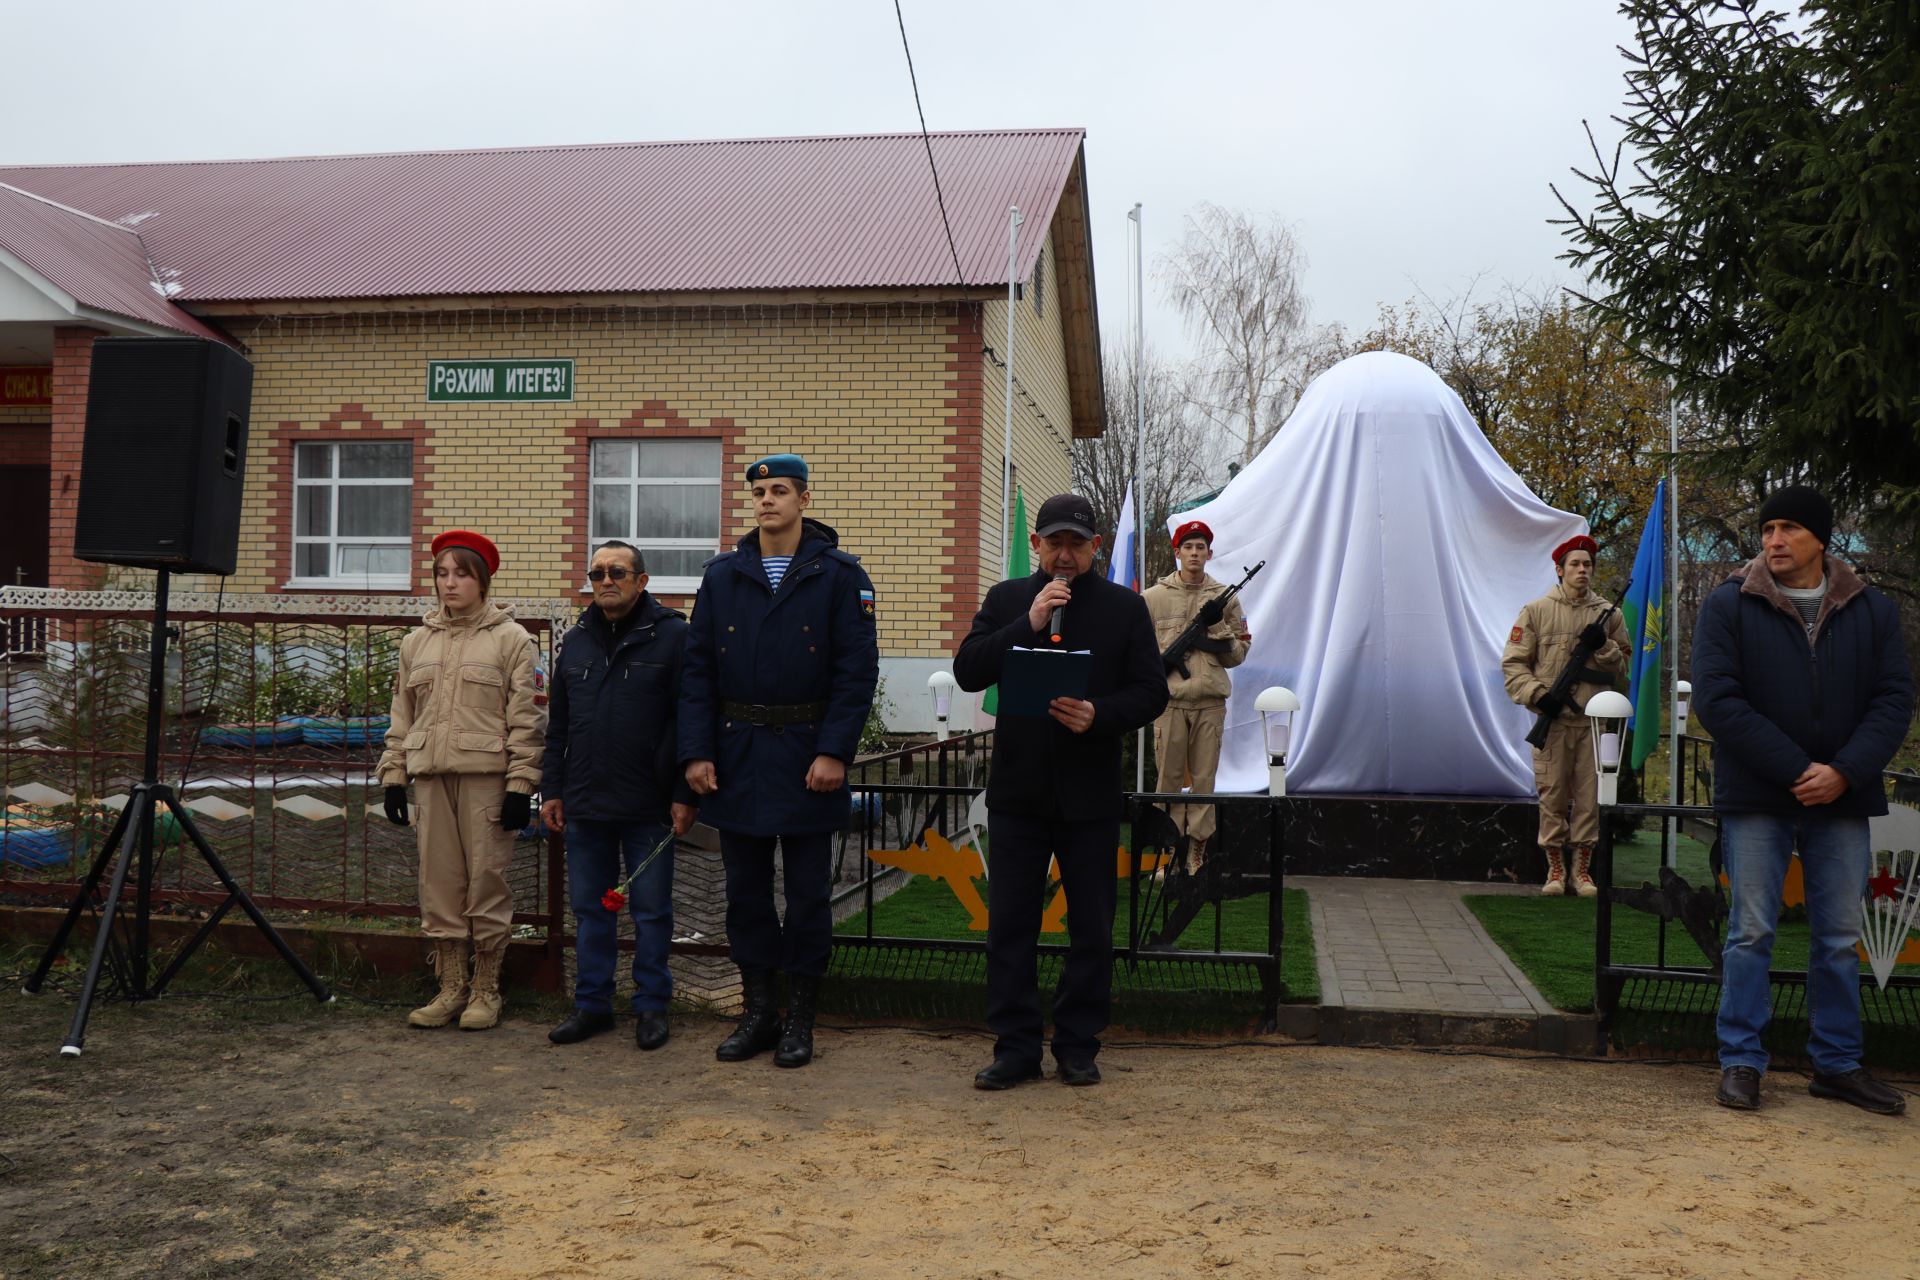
(941, 685)
(1682, 699)
(1606, 717)
(1276, 706)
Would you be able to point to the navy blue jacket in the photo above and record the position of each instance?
(1041, 769)
(610, 729)
(1777, 702)
(812, 641)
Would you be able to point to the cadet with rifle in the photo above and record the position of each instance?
(1567, 646)
(1202, 633)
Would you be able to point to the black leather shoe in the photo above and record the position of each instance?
(1861, 1089)
(1006, 1073)
(650, 1032)
(580, 1025)
(1078, 1072)
(1739, 1089)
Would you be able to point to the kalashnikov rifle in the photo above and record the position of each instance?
(1575, 672)
(1175, 658)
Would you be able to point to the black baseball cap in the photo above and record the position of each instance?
(1062, 513)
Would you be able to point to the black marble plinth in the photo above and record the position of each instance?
(1390, 836)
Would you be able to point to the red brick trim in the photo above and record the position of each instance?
(72, 367)
(654, 419)
(964, 456)
(348, 422)
(26, 444)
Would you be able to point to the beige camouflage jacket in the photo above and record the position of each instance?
(1543, 640)
(467, 700)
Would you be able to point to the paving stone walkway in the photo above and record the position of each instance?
(1412, 945)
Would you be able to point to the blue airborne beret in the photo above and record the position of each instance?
(790, 465)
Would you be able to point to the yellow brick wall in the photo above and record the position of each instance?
(860, 391)
(1042, 412)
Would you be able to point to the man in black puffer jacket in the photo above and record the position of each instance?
(1800, 673)
(613, 784)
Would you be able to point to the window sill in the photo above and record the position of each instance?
(344, 586)
(661, 587)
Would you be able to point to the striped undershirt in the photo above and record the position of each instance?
(776, 567)
(1807, 601)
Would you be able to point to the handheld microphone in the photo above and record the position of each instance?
(1057, 628)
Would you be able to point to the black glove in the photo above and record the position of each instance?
(397, 806)
(1211, 612)
(516, 810)
(1594, 636)
(1551, 705)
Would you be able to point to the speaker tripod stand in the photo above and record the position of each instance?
(131, 842)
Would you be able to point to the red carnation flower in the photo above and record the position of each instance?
(613, 900)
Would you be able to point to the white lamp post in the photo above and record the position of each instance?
(1607, 714)
(1276, 706)
(1682, 699)
(941, 685)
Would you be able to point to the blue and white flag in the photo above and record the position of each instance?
(1644, 611)
(1123, 561)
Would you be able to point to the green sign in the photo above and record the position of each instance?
(499, 380)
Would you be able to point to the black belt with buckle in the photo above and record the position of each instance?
(759, 714)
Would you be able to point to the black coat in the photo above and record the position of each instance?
(610, 730)
(1777, 702)
(1041, 769)
(812, 641)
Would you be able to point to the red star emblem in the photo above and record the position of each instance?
(1883, 884)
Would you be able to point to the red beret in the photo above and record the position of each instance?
(476, 542)
(1190, 529)
(1579, 542)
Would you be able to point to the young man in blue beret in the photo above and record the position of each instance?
(781, 663)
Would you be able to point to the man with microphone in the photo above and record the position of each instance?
(1054, 790)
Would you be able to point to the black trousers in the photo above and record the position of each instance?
(1018, 850)
(755, 933)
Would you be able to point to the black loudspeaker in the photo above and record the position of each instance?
(165, 456)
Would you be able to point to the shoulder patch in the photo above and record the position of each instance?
(1518, 634)
(866, 601)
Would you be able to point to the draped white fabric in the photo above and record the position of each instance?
(1399, 549)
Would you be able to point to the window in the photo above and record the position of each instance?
(663, 496)
(353, 514)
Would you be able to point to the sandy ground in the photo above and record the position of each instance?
(352, 1147)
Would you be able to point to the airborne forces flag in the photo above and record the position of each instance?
(1645, 614)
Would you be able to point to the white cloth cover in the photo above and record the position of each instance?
(1399, 549)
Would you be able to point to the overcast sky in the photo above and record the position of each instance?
(1409, 144)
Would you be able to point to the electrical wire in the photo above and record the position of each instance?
(925, 137)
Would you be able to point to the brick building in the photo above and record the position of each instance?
(558, 345)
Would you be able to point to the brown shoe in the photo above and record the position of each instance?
(450, 958)
(1739, 1089)
(1556, 884)
(1860, 1089)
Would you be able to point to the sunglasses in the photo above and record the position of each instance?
(614, 571)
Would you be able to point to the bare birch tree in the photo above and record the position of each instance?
(1236, 281)
(1174, 463)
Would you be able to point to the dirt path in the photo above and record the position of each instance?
(195, 1147)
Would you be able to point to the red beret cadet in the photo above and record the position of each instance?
(475, 542)
(1192, 528)
(1579, 542)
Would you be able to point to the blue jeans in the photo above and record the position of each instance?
(1834, 861)
(599, 856)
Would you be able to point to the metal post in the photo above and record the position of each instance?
(1006, 449)
(1671, 852)
(1139, 452)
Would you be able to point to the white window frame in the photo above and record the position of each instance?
(333, 541)
(659, 584)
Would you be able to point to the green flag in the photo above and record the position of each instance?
(1019, 565)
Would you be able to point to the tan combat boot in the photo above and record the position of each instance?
(1196, 854)
(1556, 875)
(483, 1010)
(1583, 873)
(450, 958)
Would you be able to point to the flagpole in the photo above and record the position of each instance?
(1006, 447)
(1139, 451)
(1673, 618)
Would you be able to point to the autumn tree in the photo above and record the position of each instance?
(1235, 279)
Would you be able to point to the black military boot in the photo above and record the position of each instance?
(796, 1041)
(759, 1028)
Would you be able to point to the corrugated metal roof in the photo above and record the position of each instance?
(775, 213)
(102, 266)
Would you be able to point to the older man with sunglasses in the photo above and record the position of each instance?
(613, 784)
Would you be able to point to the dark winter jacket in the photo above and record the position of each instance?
(1040, 768)
(811, 642)
(610, 729)
(1777, 701)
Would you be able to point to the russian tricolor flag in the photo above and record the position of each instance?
(1123, 562)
